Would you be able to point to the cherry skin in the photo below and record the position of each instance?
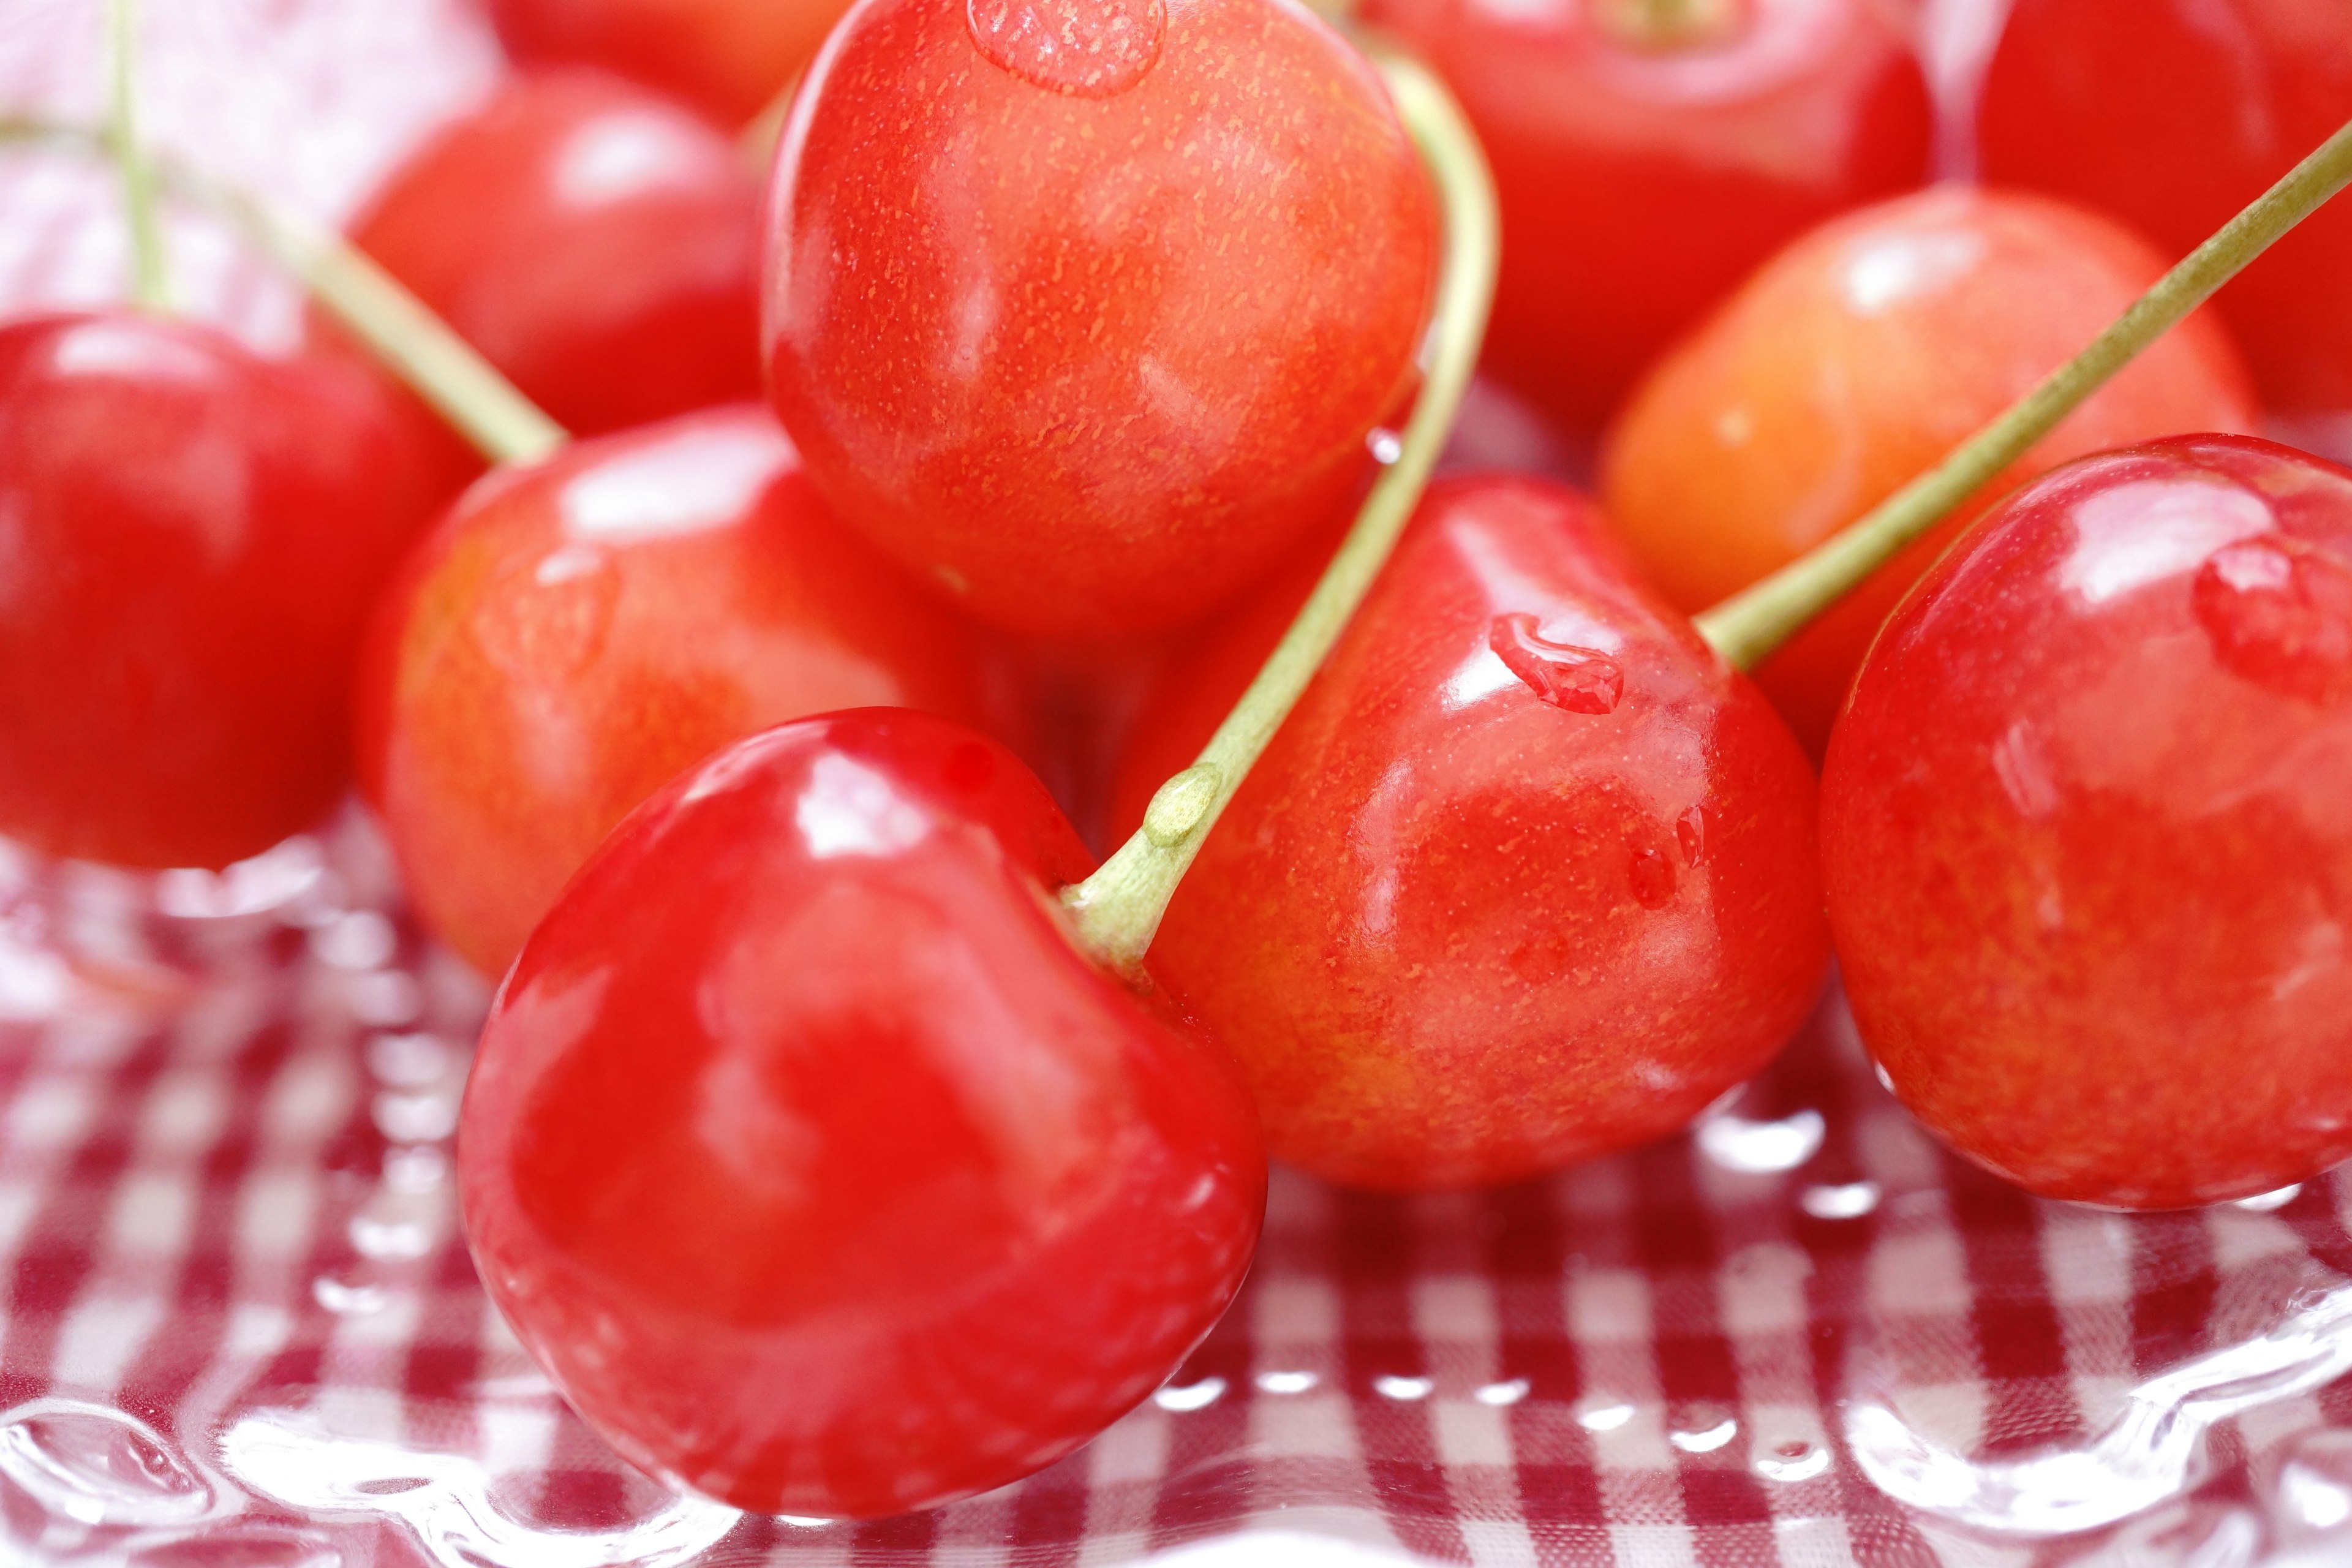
(818, 1168)
(1527, 877)
(2084, 834)
(727, 57)
(1856, 360)
(2222, 99)
(1092, 335)
(1645, 165)
(577, 632)
(190, 539)
(597, 243)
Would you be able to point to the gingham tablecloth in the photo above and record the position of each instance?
(239, 1327)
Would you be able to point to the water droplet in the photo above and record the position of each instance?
(1794, 1460)
(1603, 1415)
(1402, 1388)
(1652, 878)
(1578, 679)
(1690, 833)
(347, 1301)
(2277, 1198)
(1090, 49)
(363, 939)
(1759, 1148)
(1285, 1382)
(1191, 1396)
(2278, 611)
(97, 1465)
(1705, 1440)
(1386, 446)
(1502, 1393)
(1849, 1200)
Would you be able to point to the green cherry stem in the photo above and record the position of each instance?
(1117, 910)
(1747, 627)
(398, 328)
(150, 285)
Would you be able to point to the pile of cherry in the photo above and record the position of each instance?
(821, 1160)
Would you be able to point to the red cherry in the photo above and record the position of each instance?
(2085, 834)
(1858, 358)
(2221, 98)
(579, 631)
(727, 57)
(815, 1164)
(1094, 336)
(1649, 156)
(597, 244)
(1527, 877)
(190, 539)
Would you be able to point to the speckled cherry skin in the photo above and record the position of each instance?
(1641, 182)
(1457, 934)
(2221, 98)
(814, 1163)
(191, 537)
(578, 631)
(727, 57)
(597, 242)
(1857, 359)
(2087, 830)
(1093, 358)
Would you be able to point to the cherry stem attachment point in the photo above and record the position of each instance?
(398, 328)
(1117, 911)
(151, 286)
(1747, 627)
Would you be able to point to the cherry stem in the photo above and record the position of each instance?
(402, 332)
(1117, 910)
(151, 284)
(1749, 626)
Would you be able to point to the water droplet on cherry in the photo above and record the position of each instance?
(1089, 48)
(1652, 878)
(1576, 679)
(2278, 611)
(1690, 832)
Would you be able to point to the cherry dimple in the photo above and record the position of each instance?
(1577, 678)
(2278, 611)
(1089, 48)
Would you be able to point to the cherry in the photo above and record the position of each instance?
(583, 628)
(2084, 834)
(1650, 153)
(1527, 877)
(2221, 97)
(813, 1161)
(190, 537)
(1855, 359)
(1094, 335)
(727, 57)
(595, 242)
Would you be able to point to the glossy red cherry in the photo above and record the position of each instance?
(2085, 833)
(1857, 359)
(1527, 877)
(190, 540)
(578, 632)
(816, 1166)
(597, 243)
(1651, 154)
(2221, 97)
(1095, 334)
(727, 57)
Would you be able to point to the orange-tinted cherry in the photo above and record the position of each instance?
(1527, 877)
(2221, 97)
(1087, 308)
(815, 1164)
(727, 57)
(580, 630)
(1650, 153)
(1859, 357)
(2084, 829)
(597, 242)
(190, 539)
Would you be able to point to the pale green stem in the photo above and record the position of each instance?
(1117, 910)
(398, 328)
(1749, 626)
(151, 286)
